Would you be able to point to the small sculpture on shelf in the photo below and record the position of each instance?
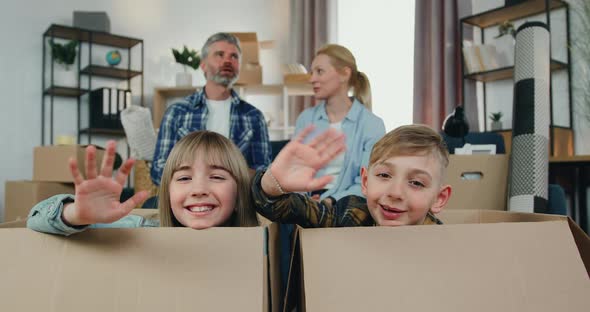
(187, 58)
(496, 119)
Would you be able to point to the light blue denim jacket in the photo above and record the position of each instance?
(46, 217)
(362, 129)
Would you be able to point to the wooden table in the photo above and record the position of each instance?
(571, 173)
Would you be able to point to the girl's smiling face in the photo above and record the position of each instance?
(202, 195)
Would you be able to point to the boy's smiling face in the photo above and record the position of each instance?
(402, 189)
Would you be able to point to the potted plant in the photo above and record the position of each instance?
(187, 58)
(64, 55)
(496, 119)
(504, 43)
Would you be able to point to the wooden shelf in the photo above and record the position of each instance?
(510, 13)
(97, 37)
(64, 91)
(117, 132)
(507, 72)
(109, 72)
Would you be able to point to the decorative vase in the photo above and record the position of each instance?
(496, 125)
(63, 76)
(505, 50)
(184, 80)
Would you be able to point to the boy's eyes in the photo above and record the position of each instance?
(417, 183)
(383, 175)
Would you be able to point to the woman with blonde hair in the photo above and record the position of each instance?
(334, 73)
(205, 184)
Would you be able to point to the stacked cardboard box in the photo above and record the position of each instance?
(478, 181)
(51, 176)
(250, 70)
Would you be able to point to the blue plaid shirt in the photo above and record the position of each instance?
(247, 130)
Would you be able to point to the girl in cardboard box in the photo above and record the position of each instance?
(205, 184)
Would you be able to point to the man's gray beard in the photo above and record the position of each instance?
(223, 80)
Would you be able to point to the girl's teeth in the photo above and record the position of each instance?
(200, 209)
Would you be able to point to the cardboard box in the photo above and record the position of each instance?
(144, 269)
(518, 265)
(50, 163)
(250, 47)
(21, 196)
(250, 74)
(478, 181)
(296, 78)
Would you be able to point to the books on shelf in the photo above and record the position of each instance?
(480, 58)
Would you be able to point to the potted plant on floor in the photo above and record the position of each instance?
(187, 58)
(496, 119)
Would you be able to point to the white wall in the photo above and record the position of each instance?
(380, 34)
(161, 24)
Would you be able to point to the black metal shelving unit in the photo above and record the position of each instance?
(86, 39)
(519, 11)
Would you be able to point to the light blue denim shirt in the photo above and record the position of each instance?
(46, 217)
(362, 129)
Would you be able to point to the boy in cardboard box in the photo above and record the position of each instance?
(403, 183)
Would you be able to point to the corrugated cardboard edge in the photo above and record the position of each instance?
(14, 224)
(273, 264)
(295, 277)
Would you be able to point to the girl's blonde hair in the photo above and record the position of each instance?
(216, 150)
(341, 57)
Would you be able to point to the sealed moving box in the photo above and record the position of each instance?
(50, 163)
(145, 269)
(500, 261)
(250, 47)
(250, 74)
(21, 196)
(478, 181)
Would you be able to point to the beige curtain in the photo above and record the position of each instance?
(437, 63)
(309, 31)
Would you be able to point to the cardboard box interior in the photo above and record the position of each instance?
(478, 181)
(518, 265)
(50, 163)
(21, 196)
(144, 269)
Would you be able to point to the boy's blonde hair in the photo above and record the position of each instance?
(411, 140)
(341, 57)
(217, 150)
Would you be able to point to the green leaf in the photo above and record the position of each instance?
(187, 57)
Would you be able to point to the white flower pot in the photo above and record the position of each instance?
(496, 125)
(184, 80)
(62, 77)
(505, 50)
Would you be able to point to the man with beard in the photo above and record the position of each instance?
(217, 107)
